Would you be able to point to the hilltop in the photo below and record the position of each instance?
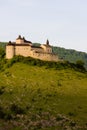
(66, 54)
(40, 95)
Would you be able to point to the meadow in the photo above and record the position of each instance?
(42, 98)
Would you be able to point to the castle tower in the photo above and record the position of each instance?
(20, 40)
(47, 48)
(10, 50)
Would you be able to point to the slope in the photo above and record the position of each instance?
(33, 97)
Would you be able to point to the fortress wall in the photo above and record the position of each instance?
(22, 50)
(26, 51)
(44, 56)
(54, 57)
(10, 52)
(37, 49)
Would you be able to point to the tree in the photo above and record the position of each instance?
(80, 63)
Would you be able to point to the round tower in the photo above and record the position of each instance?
(10, 50)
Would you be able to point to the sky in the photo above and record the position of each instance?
(63, 22)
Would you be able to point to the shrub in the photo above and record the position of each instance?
(48, 64)
(5, 115)
(59, 83)
(16, 109)
(80, 65)
(2, 113)
(8, 116)
(72, 124)
(59, 118)
(2, 90)
(71, 114)
(2, 53)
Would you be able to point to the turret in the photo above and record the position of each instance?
(47, 42)
(19, 40)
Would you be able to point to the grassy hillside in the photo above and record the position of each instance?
(42, 98)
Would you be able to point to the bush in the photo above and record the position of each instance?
(80, 63)
(16, 109)
(2, 53)
(2, 90)
(48, 64)
(2, 113)
(72, 124)
(71, 114)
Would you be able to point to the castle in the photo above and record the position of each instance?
(26, 48)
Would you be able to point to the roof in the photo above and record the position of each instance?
(46, 45)
(26, 40)
(36, 47)
(20, 38)
(14, 44)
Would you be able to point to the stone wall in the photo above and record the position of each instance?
(19, 41)
(43, 52)
(22, 50)
(10, 51)
(45, 56)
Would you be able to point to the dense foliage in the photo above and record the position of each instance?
(2, 53)
(3, 44)
(70, 55)
(79, 66)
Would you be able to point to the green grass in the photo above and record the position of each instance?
(37, 90)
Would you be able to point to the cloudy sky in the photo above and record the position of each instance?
(63, 22)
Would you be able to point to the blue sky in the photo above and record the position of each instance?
(63, 22)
